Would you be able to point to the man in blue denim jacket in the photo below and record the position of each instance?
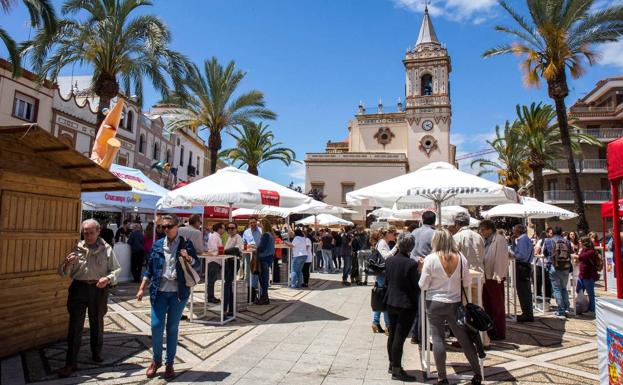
(168, 292)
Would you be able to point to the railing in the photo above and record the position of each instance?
(603, 133)
(567, 195)
(580, 165)
(383, 110)
(593, 109)
(356, 156)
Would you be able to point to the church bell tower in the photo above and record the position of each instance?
(427, 99)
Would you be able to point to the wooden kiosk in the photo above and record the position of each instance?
(41, 179)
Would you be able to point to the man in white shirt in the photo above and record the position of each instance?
(214, 268)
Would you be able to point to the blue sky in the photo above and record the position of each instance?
(316, 59)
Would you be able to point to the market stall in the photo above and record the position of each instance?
(41, 180)
(610, 311)
(607, 212)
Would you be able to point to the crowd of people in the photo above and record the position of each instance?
(415, 260)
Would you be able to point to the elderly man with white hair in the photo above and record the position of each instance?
(93, 267)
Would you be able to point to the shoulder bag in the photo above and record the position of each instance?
(470, 315)
(190, 275)
(377, 299)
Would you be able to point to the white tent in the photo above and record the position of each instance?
(234, 187)
(529, 208)
(439, 183)
(316, 207)
(324, 220)
(449, 212)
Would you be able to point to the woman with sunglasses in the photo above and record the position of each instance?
(168, 292)
(233, 246)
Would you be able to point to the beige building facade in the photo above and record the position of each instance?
(600, 114)
(23, 100)
(390, 141)
(68, 110)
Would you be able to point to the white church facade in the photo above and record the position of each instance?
(383, 144)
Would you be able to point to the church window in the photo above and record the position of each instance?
(427, 85)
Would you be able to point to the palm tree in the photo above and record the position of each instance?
(540, 135)
(510, 164)
(121, 46)
(560, 34)
(209, 103)
(41, 15)
(254, 146)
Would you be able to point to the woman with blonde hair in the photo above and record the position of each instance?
(442, 274)
(266, 255)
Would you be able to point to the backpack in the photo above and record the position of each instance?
(561, 255)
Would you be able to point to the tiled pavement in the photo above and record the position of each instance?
(317, 336)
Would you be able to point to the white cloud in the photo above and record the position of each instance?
(611, 54)
(296, 171)
(476, 11)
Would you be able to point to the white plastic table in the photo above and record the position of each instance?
(222, 259)
(247, 271)
(477, 279)
(124, 257)
(511, 287)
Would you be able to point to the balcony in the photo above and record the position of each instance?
(356, 157)
(605, 134)
(566, 196)
(585, 165)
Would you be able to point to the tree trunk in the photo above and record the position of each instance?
(214, 145)
(537, 184)
(558, 90)
(252, 169)
(106, 87)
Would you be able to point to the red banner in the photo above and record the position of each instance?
(269, 198)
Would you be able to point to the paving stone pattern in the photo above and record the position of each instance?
(316, 336)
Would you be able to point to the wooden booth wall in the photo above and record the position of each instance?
(39, 225)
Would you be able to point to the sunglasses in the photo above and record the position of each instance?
(231, 228)
(168, 227)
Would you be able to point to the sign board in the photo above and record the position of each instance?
(609, 322)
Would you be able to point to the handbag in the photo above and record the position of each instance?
(377, 299)
(190, 275)
(375, 264)
(470, 315)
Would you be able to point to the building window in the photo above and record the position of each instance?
(318, 187)
(122, 159)
(141, 144)
(181, 155)
(552, 185)
(130, 121)
(156, 151)
(346, 188)
(168, 156)
(427, 85)
(190, 158)
(567, 183)
(25, 107)
(198, 163)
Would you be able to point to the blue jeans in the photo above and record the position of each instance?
(559, 279)
(265, 265)
(296, 276)
(376, 315)
(166, 305)
(327, 259)
(348, 264)
(589, 286)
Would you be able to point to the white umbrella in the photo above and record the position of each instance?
(316, 207)
(449, 212)
(529, 208)
(234, 187)
(266, 210)
(440, 183)
(324, 220)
